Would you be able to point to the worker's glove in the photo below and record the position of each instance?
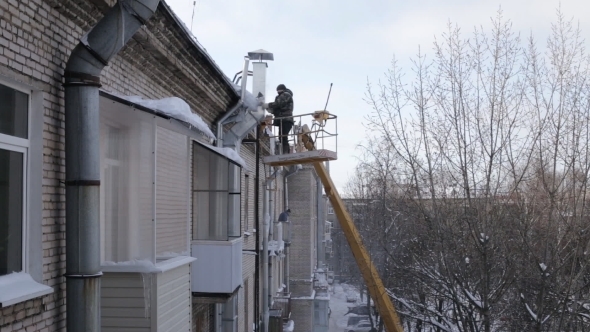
(265, 106)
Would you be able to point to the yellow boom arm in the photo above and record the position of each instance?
(368, 270)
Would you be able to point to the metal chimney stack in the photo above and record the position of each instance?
(259, 70)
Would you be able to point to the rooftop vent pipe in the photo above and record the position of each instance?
(82, 81)
(252, 113)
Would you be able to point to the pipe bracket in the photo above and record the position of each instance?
(82, 183)
(83, 276)
(77, 78)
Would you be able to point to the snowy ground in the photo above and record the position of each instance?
(339, 306)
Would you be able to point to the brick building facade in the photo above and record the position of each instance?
(161, 60)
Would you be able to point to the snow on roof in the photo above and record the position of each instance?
(320, 277)
(175, 108)
(229, 153)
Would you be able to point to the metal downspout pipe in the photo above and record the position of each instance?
(82, 81)
(266, 222)
(271, 237)
(82, 157)
(258, 228)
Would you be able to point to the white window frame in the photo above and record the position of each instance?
(28, 283)
(24, 148)
(330, 209)
(107, 125)
(194, 191)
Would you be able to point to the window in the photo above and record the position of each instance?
(14, 144)
(145, 186)
(127, 185)
(216, 196)
(330, 209)
(320, 313)
(21, 176)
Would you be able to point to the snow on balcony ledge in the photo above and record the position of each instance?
(145, 266)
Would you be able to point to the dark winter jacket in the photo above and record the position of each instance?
(283, 105)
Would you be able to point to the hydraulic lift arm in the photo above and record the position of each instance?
(368, 270)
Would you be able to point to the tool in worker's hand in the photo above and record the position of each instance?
(328, 96)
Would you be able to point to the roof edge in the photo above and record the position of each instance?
(193, 40)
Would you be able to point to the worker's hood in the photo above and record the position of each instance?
(289, 91)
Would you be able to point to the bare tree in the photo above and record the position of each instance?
(479, 172)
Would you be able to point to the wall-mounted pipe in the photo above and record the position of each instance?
(258, 228)
(245, 77)
(219, 123)
(253, 114)
(82, 81)
(271, 218)
(266, 222)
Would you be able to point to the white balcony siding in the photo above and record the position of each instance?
(172, 193)
(218, 268)
(174, 300)
(123, 303)
(149, 301)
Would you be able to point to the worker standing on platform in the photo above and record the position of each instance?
(282, 107)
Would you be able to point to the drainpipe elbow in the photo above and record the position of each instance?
(106, 39)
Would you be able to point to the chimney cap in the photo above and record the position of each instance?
(261, 55)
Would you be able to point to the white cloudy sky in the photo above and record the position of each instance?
(346, 42)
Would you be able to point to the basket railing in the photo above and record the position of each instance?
(310, 131)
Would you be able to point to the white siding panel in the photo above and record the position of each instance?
(174, 300)
(172, 198)
(123, 303)
(218, 268)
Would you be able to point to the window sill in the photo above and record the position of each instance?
(144, 266)
(20, 287)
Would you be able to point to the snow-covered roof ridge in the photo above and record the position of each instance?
(174, 107)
